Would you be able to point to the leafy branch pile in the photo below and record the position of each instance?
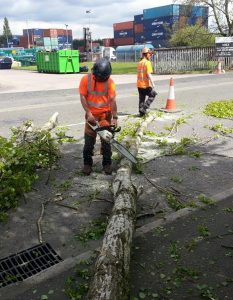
(20, 156)
(220, 109)
(220, 128)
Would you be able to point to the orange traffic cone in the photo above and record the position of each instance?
(219, 69)
(171, 101)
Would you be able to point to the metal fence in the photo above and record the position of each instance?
(132, 56)
(182, 59)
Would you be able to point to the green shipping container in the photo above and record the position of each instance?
(62, 61)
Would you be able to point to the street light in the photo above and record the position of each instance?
(66, 36)
(28, 36)
(89, 12)
(7, 41)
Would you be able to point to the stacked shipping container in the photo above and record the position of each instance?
(138, 29)
(160, 22)
(13, 41)
(108, 42)
(123, 33)
(157, 24)
(48, 38)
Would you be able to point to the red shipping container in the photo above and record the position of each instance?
(108, 42)
(24, 40)
(123, 41)
(50, 33)
(123, 25)
(61, 32)
(138, 28)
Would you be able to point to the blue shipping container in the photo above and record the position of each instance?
(205, 11)
(160, 43)
(162, 11)
(161, 22)
(198, 20)
(34, 31)
(63, 39)
(138, 19)
(191, 21)
(205, 22)
(158, 29)
(139, 38)
(197, 11)
(154, 35)
(38, 31)
(185, 10)
(124, 33)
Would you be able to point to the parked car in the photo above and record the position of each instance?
(6, 62)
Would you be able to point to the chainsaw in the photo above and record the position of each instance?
(107, 134)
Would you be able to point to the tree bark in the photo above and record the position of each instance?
(52, 123)
(111, 276)
(28, 132)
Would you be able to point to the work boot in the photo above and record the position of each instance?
(141, 114)
(107, 169)
(87, 169)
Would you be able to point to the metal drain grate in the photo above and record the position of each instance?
(27, 263)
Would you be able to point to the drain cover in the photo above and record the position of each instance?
(27, 263)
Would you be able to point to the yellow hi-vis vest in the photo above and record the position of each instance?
(144, 67)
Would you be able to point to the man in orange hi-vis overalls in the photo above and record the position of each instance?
(98, 98)
(145, 83)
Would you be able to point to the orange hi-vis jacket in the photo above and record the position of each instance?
(97, 94)
(143, 69)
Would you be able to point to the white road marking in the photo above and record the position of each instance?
(71, 125)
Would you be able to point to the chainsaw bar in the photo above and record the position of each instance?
(125, 152)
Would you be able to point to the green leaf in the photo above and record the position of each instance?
(142, 295)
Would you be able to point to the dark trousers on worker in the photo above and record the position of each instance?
(104, 119)
(144, 103)
(88, 151)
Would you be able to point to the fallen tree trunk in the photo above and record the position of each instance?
(111, 276)
(28, 132)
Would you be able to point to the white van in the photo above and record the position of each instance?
(109, 53)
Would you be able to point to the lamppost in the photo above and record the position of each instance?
(89, 12)
(28, 36)
(7, 41)
(66, 36)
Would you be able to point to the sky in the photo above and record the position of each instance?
(103, 14)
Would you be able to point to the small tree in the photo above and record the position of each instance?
(1, 40)
(78, 43)
(193, 36)
(6, 30)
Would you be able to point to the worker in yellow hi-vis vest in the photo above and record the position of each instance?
(145, 84)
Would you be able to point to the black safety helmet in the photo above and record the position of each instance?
(102, 69)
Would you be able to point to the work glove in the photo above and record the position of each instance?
(105, 135)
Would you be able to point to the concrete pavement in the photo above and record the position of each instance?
(177, 254)
(13, 81)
